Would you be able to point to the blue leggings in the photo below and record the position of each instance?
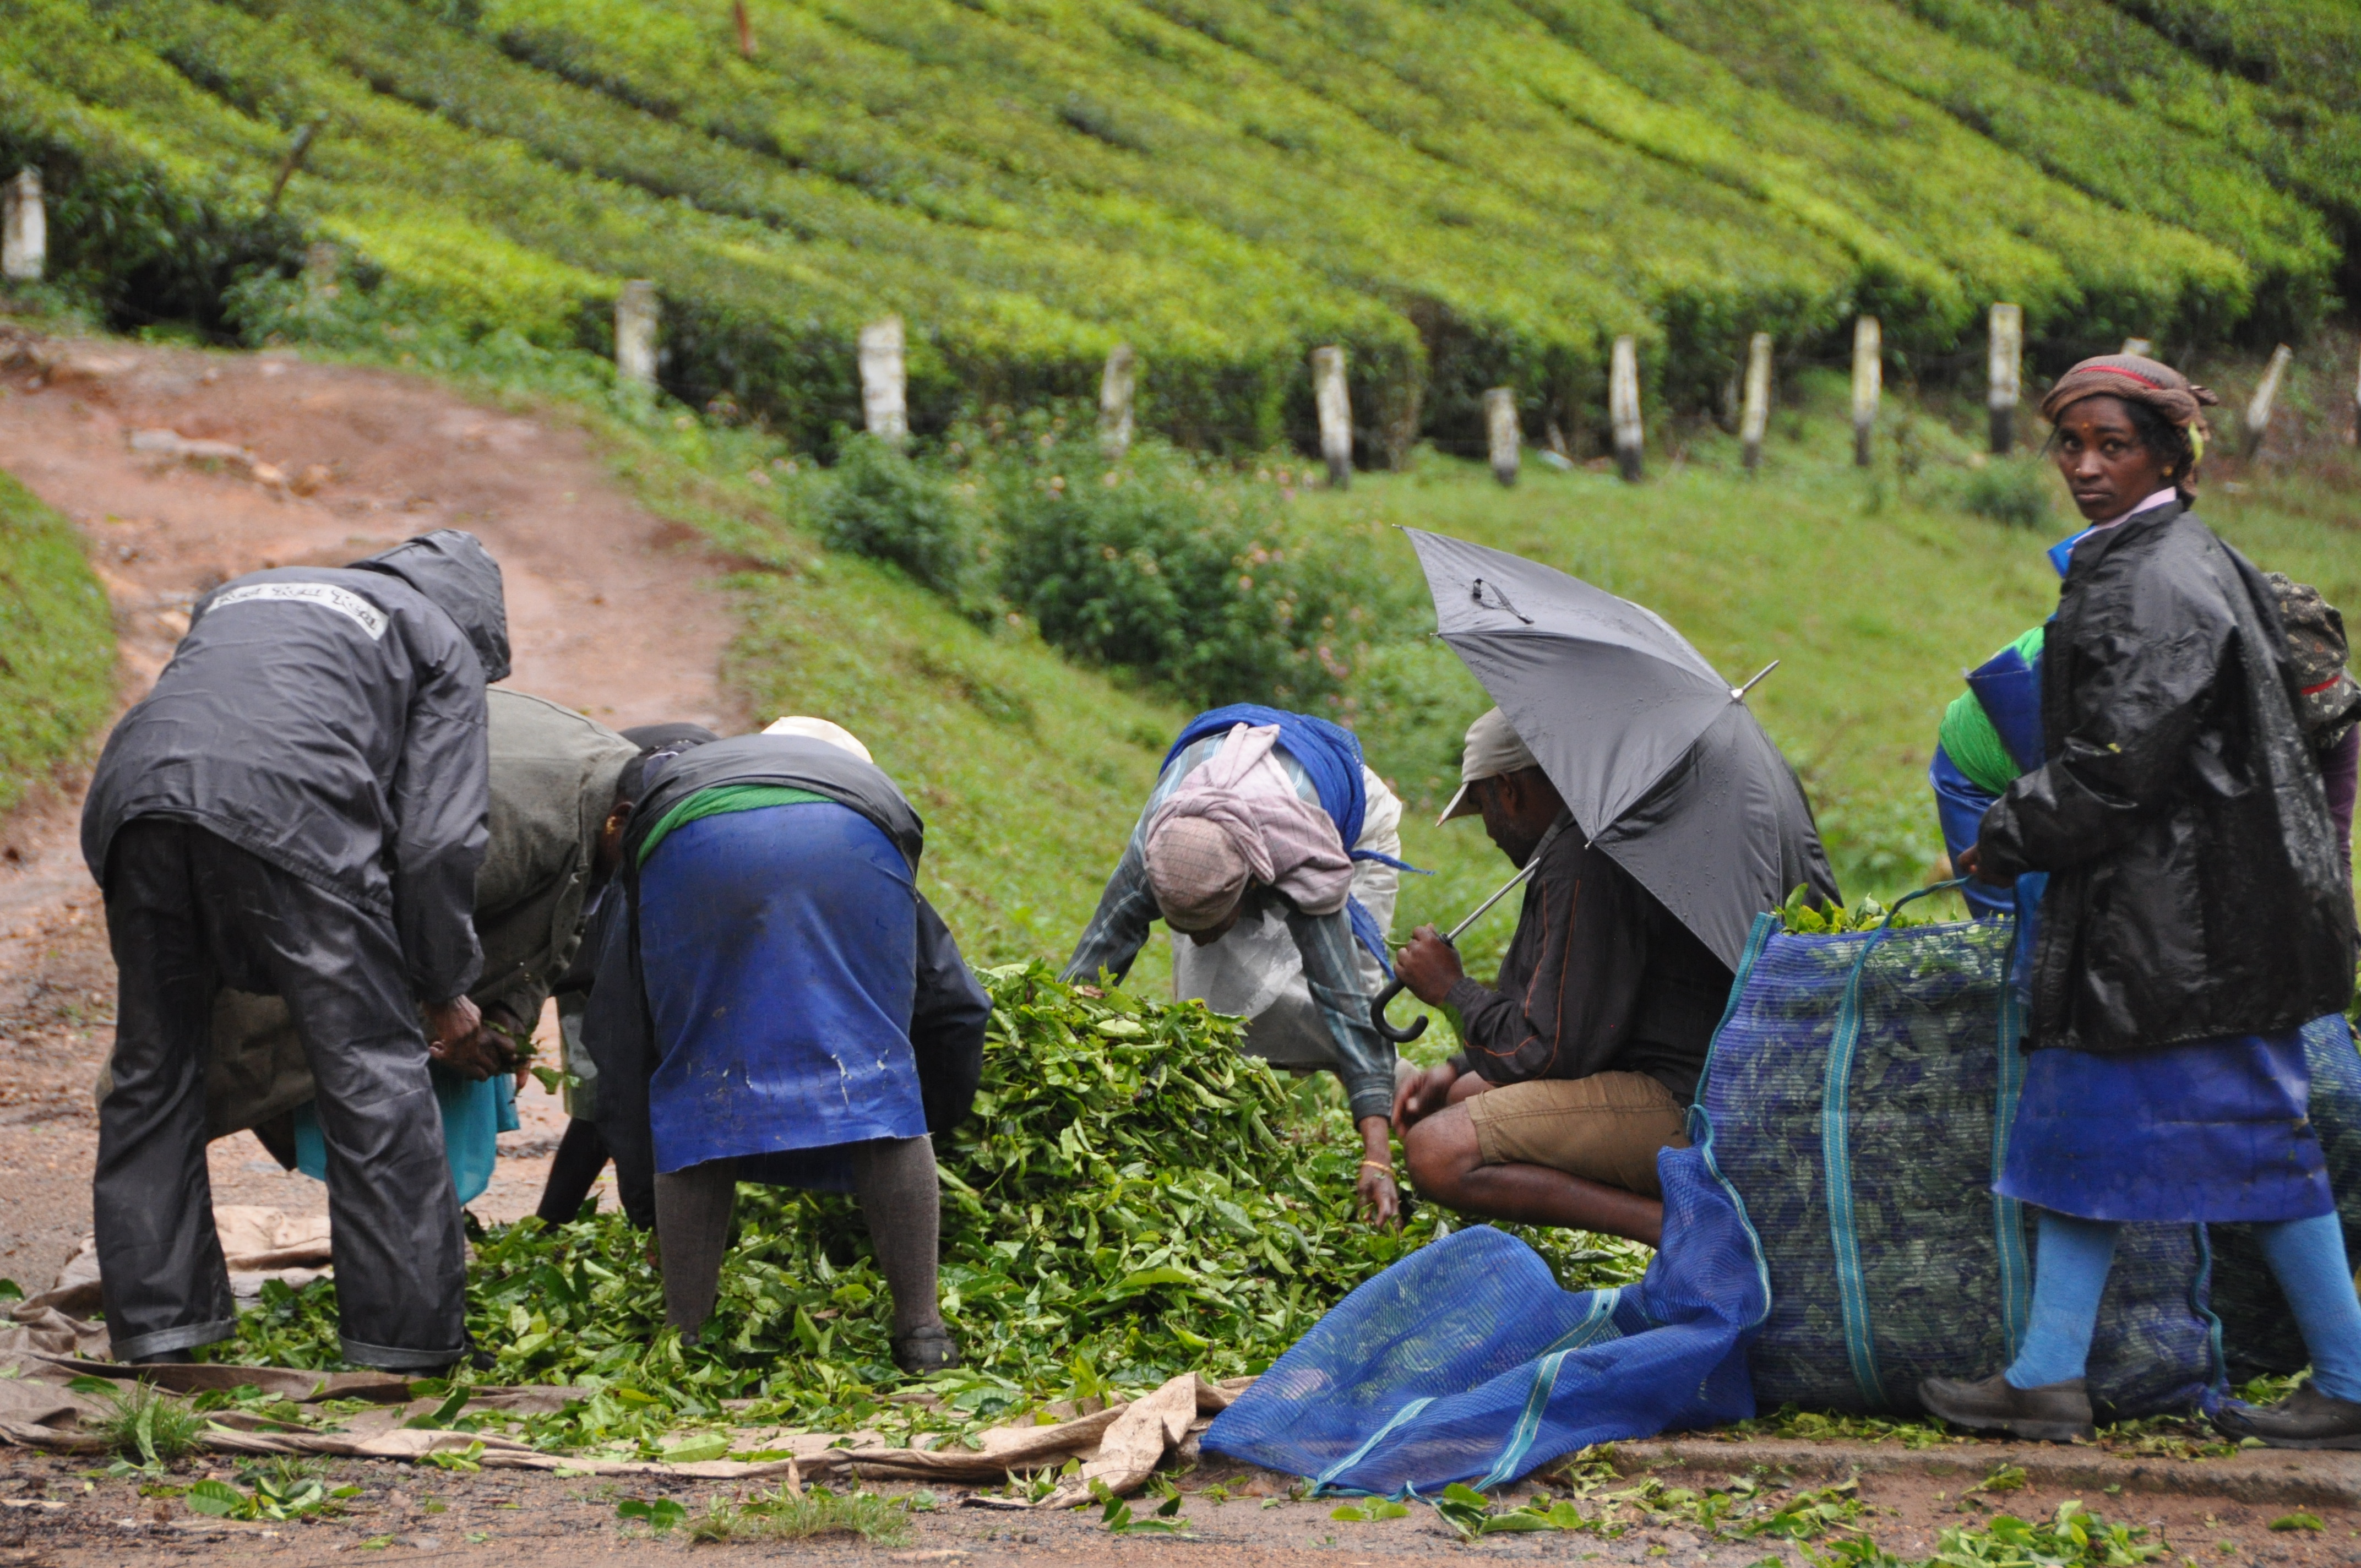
(2307, 1256)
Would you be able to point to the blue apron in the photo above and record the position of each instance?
(2216, 1130)
(780, 950)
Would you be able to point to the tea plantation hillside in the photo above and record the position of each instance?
(1464, 196)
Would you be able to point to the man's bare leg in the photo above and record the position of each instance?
(1448, 1167)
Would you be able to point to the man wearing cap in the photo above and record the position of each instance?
(298, 809)
(1578, 1064)
(1271, 848)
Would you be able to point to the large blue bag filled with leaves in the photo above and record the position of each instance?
(1859, 1097)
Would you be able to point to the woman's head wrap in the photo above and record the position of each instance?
(1237, 819)
(2135, 379)
(1196, 871)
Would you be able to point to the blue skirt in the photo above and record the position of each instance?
(2216, 1130)
(780, 947)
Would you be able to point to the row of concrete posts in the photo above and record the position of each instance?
(885, 408)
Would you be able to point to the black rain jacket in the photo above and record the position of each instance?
(950, 1013)
(331, 720)
(2195, 890)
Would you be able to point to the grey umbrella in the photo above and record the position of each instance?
(1653, 752)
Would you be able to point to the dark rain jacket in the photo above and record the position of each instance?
(2195, 890)
(332, 723)
(949, 1010)
(1600, 976)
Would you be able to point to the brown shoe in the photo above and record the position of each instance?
(2305, 1418)
(2055, 1412)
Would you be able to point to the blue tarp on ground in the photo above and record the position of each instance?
(1466, 1362)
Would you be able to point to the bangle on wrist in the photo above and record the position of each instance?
(1387, 1166)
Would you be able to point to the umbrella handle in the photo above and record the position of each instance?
(1378, 1017)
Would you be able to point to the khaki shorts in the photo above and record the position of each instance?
(1606, 1127)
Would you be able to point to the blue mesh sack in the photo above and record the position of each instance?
(1890, 1257)
(1465, 1361)
(2258, 1331)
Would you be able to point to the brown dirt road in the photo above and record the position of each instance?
(612, 612)
(609, 609)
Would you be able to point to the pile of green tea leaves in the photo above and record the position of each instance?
(1133, 1198)
(1800, 917)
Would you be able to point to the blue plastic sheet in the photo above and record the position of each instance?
(1465, 1361)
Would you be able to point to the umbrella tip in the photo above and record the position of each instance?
(1738, 694)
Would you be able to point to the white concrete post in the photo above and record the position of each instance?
(322, 262)
(1623, 408)
(2004, 375)
(1116, 384)
(1334, 401)
(1502, 435)
(884, 409)
(1868, 381)
(2266, 392)
(1756, 416)
(2356, 403)
(24, 229)
(635, 332)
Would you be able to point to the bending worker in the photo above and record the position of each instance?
(2196, 916)
(1581, 1059)
(298, 809)
(1242, 849)
(808, 1014)
(606, 1097)
(554, 840)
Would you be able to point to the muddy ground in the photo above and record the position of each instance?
(616, 611)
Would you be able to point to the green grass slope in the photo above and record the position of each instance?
(56, 643)
(1468, 196)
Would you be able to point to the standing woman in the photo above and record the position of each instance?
(2196, 917)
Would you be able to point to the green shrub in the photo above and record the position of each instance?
(2015, 491)
(1168, 566)
(877, 502)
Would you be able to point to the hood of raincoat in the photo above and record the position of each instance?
(2196, 889)
(458, 576)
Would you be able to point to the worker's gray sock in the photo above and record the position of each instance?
(693, 1212)
(901, 1197)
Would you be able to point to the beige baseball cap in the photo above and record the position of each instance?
(835, 734)
(1493, 748)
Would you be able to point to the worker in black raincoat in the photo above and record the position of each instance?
(298, 809)
(2196, 916)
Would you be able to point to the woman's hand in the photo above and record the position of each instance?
(1970, 864)
(1379, 1204)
